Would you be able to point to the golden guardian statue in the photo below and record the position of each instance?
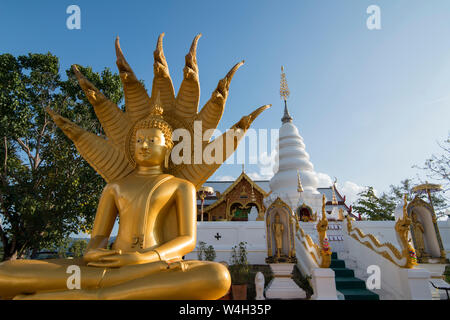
(153, 197)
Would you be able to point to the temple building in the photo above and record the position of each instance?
(243, 200)
(295, 182)
(291, 219)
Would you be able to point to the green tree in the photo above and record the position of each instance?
(382, 208)
(372, 207)
(78, 247)
(396, 194)
(47, 191)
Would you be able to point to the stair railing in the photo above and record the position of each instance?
(406, 258)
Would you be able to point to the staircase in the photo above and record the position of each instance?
(352, 288)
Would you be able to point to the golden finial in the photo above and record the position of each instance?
(334, 200)
(299, 183)
(284, 94)
(284, 89)
(324, 216)
(157, 108)
(405, 204)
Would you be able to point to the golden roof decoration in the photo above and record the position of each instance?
(334, 200)
(284, 89)
(299, 183)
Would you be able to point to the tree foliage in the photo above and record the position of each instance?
(47, 191)
(396, 195)
(78, 247)
(372, 207)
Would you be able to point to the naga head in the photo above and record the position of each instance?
(140, 135)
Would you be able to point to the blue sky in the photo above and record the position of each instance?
(369, 104)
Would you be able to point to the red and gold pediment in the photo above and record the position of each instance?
(242, 194)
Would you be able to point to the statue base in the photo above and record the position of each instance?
(282, 285)
(282, 259)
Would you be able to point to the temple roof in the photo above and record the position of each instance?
(263, 186)
(230, 187)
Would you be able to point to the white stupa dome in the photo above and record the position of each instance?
(292, 158)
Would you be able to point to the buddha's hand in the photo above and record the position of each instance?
(94, 255)
(119, 260)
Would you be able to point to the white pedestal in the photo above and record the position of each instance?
(282, 286)
(324, 285)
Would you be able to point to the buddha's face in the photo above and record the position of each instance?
(150, 147)
(277, 219)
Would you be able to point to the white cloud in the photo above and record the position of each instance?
(324, 180)
(225, 178)
(256, 176)
(348, 189)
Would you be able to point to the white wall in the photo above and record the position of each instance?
(233, 232)
(253, 232)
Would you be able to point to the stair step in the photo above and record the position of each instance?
(349, 283)
(359, 294)
(343, 272)
(337, 264)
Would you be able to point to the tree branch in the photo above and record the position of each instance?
(26, 149)
(37, 158)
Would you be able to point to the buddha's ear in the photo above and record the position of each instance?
(167, 157)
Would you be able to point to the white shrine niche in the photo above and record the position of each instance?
(423, 213)
(280, 211)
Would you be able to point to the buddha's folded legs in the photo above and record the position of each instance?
(184, 280)
(31, 276)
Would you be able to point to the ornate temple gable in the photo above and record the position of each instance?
(279, 203)
(241, 194)
(341, 200)
(216, 205)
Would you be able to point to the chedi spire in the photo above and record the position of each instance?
(284, 94)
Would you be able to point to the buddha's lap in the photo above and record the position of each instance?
(52, 268)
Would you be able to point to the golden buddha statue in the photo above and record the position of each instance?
(278, 229)
(154, 198)
(418, 235)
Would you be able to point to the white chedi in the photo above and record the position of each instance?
(293, 159)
